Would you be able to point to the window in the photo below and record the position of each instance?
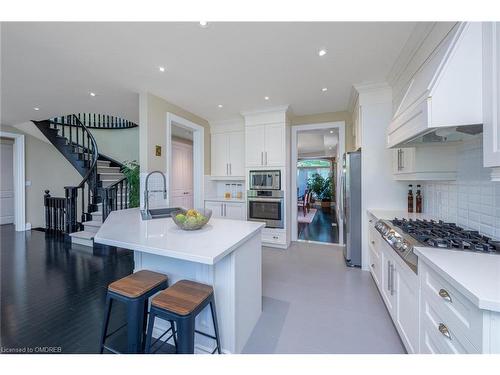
(307, 167)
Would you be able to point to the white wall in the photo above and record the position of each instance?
(473, 201)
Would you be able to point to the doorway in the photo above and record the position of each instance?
(316, 150)
(182, 168)
(185, 162)
(7, 181)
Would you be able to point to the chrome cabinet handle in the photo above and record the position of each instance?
(266, 157)
(392, 279)
(389, 275)
(402, 159)
(444, 331)
(373, 265)
(230, 169)
(443, 293)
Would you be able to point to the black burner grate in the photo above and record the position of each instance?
(446, 235)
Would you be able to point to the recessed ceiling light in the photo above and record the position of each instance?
(203, 24)
(92, 94)
(331, 131)
(329, 148)
(220, 105)
(36, 108)
(324, 89)
(266, 97)
(322, 52)
(162, 69)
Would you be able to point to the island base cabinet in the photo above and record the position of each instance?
(237, 282)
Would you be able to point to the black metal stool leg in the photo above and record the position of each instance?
(174, 334)
(145, 323)
(149, 335)
(107, 313)
(185, 329)
(216, 326)
(135, 313)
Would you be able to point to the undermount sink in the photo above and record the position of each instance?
(158, 213)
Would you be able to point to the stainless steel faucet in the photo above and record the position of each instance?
(147, 191)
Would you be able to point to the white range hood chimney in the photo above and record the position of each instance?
(446, 92)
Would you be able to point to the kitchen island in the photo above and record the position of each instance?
(226, 254)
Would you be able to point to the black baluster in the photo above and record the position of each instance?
(46, 204)
(126, 194)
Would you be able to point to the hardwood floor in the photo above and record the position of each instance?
(321, 229)
(52, 295)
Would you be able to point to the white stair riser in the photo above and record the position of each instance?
(103, 170)
(111, 176)
(90, 228)
(82, 241)
(102, 163)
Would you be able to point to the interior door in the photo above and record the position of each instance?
(182, 175)
(7, 181)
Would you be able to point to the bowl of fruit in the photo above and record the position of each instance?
(191, 219)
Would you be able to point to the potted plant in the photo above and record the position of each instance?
(321, 188)
(131, 171)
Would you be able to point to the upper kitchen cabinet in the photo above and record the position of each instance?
(491, 90)
(356, 125)
(228, 150)
(265, 138)
(443, 99)
(425, 163)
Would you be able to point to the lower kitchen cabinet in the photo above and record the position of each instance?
(227, 210)
(398, 285)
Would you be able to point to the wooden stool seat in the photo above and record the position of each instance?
(137, 284)
(183, 297)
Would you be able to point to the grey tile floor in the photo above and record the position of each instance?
(313, 303)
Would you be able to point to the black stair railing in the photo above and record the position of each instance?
(100, 121)
(115, 197)
(80, 198)
(55, 213)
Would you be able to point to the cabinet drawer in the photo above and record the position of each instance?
(438, 337)
(273, 235)
(460, 314)
(376, 265)
(374, 238)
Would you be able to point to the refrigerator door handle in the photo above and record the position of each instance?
(341, 200)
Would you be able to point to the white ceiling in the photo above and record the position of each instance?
(54, 66)
(317, 143)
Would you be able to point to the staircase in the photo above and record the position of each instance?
(103, 188)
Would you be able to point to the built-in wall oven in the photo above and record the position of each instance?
(265, 199)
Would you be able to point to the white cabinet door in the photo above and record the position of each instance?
(219, 151)
(274, 145)
(236, 152)
(254, 145)
(406, 308)
(216, 208)
(403, 160)
(7, 181)
(491, 95)
(233, 210)
(387, 284)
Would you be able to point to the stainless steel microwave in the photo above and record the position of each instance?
(265, 180)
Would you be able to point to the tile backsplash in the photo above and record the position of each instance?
(472, 201)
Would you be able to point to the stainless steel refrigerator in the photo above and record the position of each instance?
(350, 207)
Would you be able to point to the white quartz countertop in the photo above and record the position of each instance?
(400, 214)
(207, 245)
(476, 276)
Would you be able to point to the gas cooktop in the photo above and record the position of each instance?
(446, 235)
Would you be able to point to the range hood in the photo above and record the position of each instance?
(443, 100)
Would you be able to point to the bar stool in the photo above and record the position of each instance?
(133, 290)
(181, 303)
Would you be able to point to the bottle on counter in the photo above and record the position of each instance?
(227, 193)
(239, 194)
(418, 201)
(410, 198)
(233, 190)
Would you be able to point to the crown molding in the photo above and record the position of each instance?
(282, 108)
